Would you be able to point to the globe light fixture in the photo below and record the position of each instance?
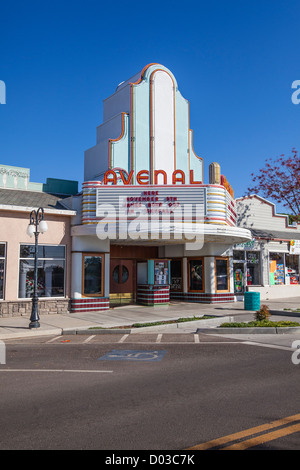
(43, 227)
(30, 230)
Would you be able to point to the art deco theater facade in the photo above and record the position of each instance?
(149, 229)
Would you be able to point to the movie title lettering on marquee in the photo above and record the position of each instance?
(143, 178)
(150, 200)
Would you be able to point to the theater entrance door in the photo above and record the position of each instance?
(122, 281)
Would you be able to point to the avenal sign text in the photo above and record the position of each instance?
(143, 178)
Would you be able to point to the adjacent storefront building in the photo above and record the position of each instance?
(269, 263)
(18, 197)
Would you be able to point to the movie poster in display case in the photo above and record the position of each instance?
(161, 272)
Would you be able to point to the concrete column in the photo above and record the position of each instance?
(76, 285)
(231, 281)
(209, 274)
(185, 274)
(106, 274)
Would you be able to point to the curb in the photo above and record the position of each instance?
(31, 333)
(95, 331)
(247, 331)
(180, 325)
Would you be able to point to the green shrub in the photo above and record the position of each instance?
(263, 313)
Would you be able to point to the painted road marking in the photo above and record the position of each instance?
(87, 340)
(158, 339)
(57, 370)
(256, 441)
(196, 339)
(53, 339)
(272, 346)
(123, 338)
(216, 443)
(132, 355)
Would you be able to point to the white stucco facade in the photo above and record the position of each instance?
(146, 211)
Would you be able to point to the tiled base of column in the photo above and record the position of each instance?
(89, 305)
(152, 295)
(204, 298)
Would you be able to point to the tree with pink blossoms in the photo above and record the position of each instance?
(279, 180)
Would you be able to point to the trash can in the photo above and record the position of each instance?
(252, 301)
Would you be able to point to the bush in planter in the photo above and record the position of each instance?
(263, 313)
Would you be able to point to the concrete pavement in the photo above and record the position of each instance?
(125, 316)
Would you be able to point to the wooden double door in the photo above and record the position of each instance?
(122, 281)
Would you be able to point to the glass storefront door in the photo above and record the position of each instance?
(239, 277)
(246, 269)
(176, 275)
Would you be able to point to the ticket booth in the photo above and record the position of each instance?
(153, 282)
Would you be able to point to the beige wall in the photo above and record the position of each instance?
(13, 226)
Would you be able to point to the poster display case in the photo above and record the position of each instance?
(158, 272)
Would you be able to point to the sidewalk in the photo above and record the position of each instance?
(18, 327)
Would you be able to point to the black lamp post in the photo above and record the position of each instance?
(36, 226)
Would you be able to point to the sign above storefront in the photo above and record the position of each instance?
(143, 177)
(295, 247)
(213, 203)
(126, 201)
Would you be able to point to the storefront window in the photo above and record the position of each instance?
(2, 269)
(176, 275)
(239, 255)
(222, 278)
(292, 269)
(120, 274)
(93, 275)
(246, 269)
(238, 277)
(196, 274)
(51, 271)
(277, 274)
(253, 268)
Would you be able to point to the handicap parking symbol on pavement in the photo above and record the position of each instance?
(132, 355)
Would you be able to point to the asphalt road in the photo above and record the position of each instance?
(147, 392)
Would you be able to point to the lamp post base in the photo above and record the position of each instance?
(34, 319)
(34, 324)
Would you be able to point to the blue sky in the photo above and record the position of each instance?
(234, 61)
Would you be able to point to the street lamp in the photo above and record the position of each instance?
(37, 225)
